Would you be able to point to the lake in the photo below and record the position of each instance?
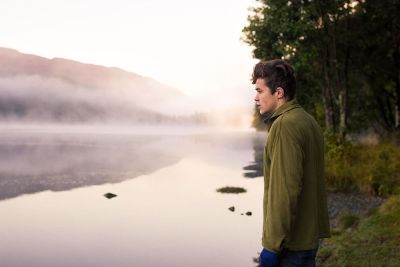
(167, 211)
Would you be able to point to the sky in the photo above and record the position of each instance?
(193, 46)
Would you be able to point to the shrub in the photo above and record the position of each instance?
(373, 169)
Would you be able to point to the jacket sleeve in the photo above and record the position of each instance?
(285, 182)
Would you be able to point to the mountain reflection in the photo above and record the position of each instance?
(34, 163)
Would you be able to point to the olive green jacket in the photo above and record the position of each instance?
(295, 207)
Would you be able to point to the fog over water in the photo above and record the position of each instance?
(33, 99)
(62, 157)
(35, 89)
(52, 181)
(45, 161)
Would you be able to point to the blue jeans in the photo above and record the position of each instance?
(304, 258)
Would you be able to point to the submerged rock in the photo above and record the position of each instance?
(110, 195)
(232, 208)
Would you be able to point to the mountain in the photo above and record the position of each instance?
(34, 88)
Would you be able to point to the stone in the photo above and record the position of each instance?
(110, 195)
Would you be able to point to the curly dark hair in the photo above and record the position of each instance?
(276, 73)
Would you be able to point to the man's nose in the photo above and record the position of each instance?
(256, 97)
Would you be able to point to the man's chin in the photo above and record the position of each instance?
(266, 114)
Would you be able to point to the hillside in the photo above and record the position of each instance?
(34, 88)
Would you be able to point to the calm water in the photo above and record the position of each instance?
(167, 212)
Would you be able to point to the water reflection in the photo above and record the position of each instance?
(33, 163)
(255, 168)
(169, 215)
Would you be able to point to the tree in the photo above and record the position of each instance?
(328, 44)
(379, 59)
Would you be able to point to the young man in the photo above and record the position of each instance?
(295, 208)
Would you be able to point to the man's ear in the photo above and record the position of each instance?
(280, 92)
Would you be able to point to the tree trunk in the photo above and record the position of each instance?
(343, 96)
(327, 87)
(327, 97)
(343, 112)
(397, 107)
(397, 91)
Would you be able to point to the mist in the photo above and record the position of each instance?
(33, 99)
(64, 124)
(34, 89)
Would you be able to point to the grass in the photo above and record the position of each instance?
(374, 242)
(347, 221)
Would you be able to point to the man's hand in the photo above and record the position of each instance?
(268, 258)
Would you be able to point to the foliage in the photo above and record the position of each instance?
(374, 169)
(374, 243)
(346, 54)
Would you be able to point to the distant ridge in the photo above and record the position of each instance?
(37, 88)
(84, 74)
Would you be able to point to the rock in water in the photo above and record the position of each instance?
(110, 195)
(248, 213)
(232, 208)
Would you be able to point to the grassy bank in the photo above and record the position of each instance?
(374, 169)
(371, 241)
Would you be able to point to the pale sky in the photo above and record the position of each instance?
(193, 46)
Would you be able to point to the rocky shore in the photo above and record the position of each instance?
(356, 204)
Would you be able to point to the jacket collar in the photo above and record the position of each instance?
(292, 104)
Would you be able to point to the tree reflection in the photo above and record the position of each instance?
(255, 168)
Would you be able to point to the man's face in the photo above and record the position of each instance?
(265, 101)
